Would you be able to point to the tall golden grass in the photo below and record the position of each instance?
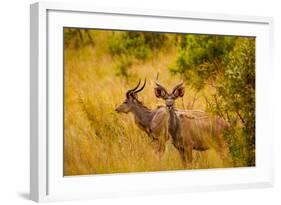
(97, 140)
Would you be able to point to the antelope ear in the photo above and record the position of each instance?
(159, 92)
(179, 92)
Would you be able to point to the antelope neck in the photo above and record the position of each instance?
(142, 114)
(174, 126)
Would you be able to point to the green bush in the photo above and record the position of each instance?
(136, 46)
(237, 90)
(122, 68)
(227, 64)
(200, 58)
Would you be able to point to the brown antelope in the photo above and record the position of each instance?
(153, 122)
(189, 129)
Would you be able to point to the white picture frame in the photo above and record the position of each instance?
(47, 182)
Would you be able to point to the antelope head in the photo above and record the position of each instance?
(131, 99)
(169, 97)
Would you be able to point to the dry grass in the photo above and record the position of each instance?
(97, 140)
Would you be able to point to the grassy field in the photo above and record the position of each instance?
(97, 140)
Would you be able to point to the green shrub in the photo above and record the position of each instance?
(227, 64)
(122, 68)
(136, 46)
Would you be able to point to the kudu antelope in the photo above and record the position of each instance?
(153, 122)
(189, 129)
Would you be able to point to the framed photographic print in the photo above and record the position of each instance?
(128, 102)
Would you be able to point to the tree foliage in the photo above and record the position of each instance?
(201, 56)
(137, 44)
(77, 37)
(129, 47)
(227, 64)
(237, 92)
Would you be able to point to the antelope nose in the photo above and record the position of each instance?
(169, 103)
